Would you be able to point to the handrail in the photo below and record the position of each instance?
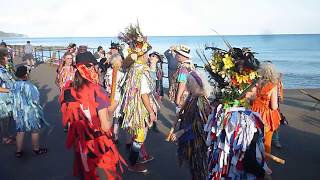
(43, 53)
(51, 54)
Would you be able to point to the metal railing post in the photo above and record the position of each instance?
(41, 53)
(59, 54)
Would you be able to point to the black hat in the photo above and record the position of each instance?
(3, 44)
(86, 58)
(99, 48)
(72, 45)
(160, 56)
(82, 49)
(21, 71)
(114, 45)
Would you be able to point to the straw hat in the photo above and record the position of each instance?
(183, 50)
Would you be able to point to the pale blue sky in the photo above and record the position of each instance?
(90, 18)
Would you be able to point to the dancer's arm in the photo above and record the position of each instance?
(181, 89)
(145, 91)
(4, 90)
(274, 98)
(147, 105)
(105, 120)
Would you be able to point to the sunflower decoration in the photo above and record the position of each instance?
(136, 41)
(235, 71)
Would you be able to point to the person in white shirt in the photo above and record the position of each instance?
(28, 55)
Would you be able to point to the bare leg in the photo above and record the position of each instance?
(32, 62)
(28, 62)
(19, 139)
(35, 141)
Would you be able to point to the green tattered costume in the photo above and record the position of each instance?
(136, 116)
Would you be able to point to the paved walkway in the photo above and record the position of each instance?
(300, 139)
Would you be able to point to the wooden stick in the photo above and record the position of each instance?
(168, 138)
(114, 83)
(170, 134)
(306, 93)
(275, 158)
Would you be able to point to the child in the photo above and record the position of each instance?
(27, 111)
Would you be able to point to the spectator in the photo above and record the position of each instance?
(6, 82)
(28, 55)
(27, 112)
(172, 64)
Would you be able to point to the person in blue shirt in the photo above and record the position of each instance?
(27, 112)
(6, 83)
(172, 64)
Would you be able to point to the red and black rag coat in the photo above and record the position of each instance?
(93, 147)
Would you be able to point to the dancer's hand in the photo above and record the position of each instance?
(175, 136)
(178, 109)
(172, 48)
(152, 117)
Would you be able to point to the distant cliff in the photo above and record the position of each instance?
(4, 34)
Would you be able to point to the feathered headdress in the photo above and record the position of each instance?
(136, 41)
(235, 70)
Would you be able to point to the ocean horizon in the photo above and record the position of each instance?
(297, 56)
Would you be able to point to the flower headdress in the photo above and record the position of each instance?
(235, 71)
(136, 41)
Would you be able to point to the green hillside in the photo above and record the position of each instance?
(4, 34)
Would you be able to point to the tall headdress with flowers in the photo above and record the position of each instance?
(235, 71)
(136, 41)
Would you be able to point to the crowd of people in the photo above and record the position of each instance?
(216, 136)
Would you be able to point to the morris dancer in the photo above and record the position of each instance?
(177, 91)
(190, 136)
(84, 104)
(235, 132)
(138, 103)
(266, 102)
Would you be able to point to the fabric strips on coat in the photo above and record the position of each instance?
(136, 116)
(192, 148)
(93, 147)
(27, 111)
(232, 133)
(6, 81)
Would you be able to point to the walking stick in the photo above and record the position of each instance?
(114, 83)
(275, 158)
(168, 139)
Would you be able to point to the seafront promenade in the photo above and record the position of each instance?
(300, 140)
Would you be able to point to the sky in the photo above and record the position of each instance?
(106, 18)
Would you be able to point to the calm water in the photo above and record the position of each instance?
(296, 56)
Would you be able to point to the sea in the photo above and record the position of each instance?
(296, 56)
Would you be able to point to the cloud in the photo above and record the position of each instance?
(39, 18)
